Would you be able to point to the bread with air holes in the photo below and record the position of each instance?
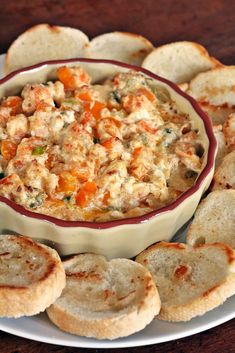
(224, 177)
(190, 280)
(214, 87)
(130, 48)
(179, 61)
(45, 42)
(214, 220)
(32, 276)
(105, 299)
(222, 149)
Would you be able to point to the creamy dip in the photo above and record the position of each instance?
(77, 151)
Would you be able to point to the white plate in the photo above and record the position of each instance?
(39, 327)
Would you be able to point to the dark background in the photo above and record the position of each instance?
(211, 23)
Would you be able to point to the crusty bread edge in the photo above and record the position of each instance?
(129, 35)
(220, 182)
(199, 47)
(218, 68)
(7, 69)
(191, 239)
(119, 325)
(209, 300)
(26, 301)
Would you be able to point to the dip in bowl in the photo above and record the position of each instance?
(100, 156)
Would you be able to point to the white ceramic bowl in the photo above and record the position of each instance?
(118, 238)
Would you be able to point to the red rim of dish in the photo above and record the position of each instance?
(147, 216)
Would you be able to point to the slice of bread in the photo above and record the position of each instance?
(179, 61)
(44, 42)
(215, 86)
(229, 132)
(127, 47)
(32, 276)
(214, 220)
(105, 300)
(217, 113)
(190, 280)
(224, 177)
(222, 149)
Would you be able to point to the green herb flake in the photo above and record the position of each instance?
(67, 198)
(116, 96)
(37, 151)
(144, 138)
(32, 205)
(168, 130)
(70, 101)
(96, 140)
(2, 175)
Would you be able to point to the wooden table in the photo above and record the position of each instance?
(210, 22)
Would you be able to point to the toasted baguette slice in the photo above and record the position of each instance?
(179, 61)
(214, 220)
(217, 113)
(229, 132)
(215, 86)
(44, 42)
(190, 281)
(105, 300)
(222, 149)
(32, 276)
(127, 47)
(224, 177)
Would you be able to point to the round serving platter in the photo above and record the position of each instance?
(39, 327)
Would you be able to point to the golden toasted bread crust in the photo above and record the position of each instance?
(118, 310)
(123, 46)
(44, 42)
(30, 298)
(214, 220)
(180, 62)
(178, 275)
(224, 177)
